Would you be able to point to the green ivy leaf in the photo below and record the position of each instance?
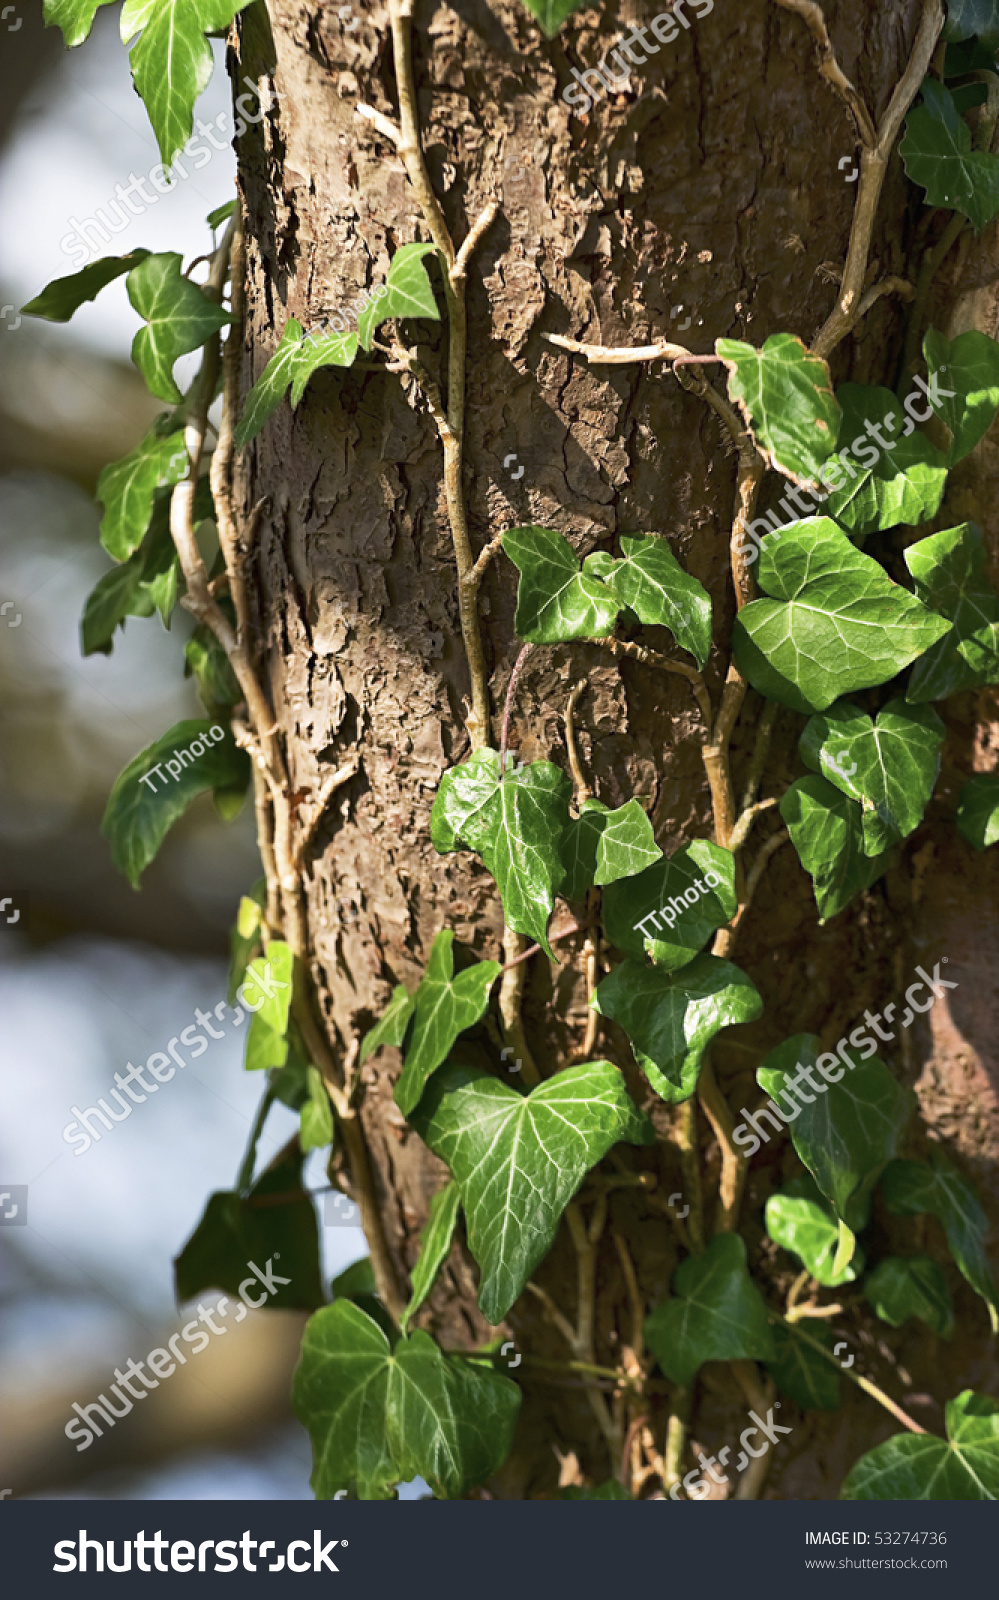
(273, 1223)
(836, 621)
(799, 1220)
(902, 482)
(60, 298)
(951, 576)
(222, 214)
(140, 814)
(970, 398)
(74, 17)
(435, 1246)
(517, 824)
(967, 18)
(800, 1372)
(408, 292)
(445, 1005)
(550, 15)
(937, 154)
(148, 581)
(678, 929)
(716, 1313)
(377, 1415)
(179, 317)
(519, 1159)
(827, 831)
(671, 1017)
(172, 62)
(127, 489)
(602, 846)
(785, 394)
(919, 1466)
(978, 811)
(913, 1187)
(245, 935)
(912, 1286)
(316, 1118)
(268, 986)
(207, 663)
(555, 600)
(293, 363)
(846, 1131)
(661, 594)
(390, 1029)
(889, 765)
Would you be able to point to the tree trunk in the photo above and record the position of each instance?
(712, 191)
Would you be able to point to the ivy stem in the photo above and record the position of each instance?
(245, 1176)
(734, 1166)
(854, 1377)
(685, 1130)
(511, 690)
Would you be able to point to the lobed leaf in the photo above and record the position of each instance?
(127, 489)
(445, 1005)
(891, 476)
(602, 846)
(555, 600)
(911, 1188)
(390, 1029)
(786, 397)
(919, 1466)
(179, 318)
(60, 298)
(292, 364)
(172, 62)
(408, 292)
(801, 1221)
(888, 765)
(148, 581)
(678, 931)
(651, 581)
(827, 832)
(938, 155)
(800, 1372)
(716, 1313)
(950, 570)
(971, 363)
(913, 1286)
(978, 811)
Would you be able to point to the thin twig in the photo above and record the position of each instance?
(583, 790)
(467, 247)
(557, 1317)
(685, 1134)
(652, 658)
(609, 356)
(830, 69)
(740, 833)
(733, 1162)
(855, 1377)
(511, 688)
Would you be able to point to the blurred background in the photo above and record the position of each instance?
(94, 974)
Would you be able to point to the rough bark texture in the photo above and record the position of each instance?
(716, 190)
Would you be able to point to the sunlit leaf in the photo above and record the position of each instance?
(888, 765)
(951, 576)
(715, 1313)
(60, 298)
(435, 1245)
(786, 397)
(556, 601)
(920, 1466)
(446, 1004)
(179, 317)
(827, 831)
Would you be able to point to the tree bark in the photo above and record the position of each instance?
(710, 191)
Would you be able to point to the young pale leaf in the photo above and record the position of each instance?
(893, 473)
(517, 824)
(555, 600)
(828, 833)
(408, 292)
(145, 802)
(786, 397)
(148, 581)
(293, 363)
(919, 1466)
(800, 1372)
(661, 594)
(127, 489)
(378, 1415)
(978, 811)
(172, 62)
(836, 621)
(973, 18)
(273, 1223)
(845, 1127)
(671, 1017)
(602, 846)
(179, 317)
(951, 575)
(889, 765)
(222, 214)
(268, 984)
(245, 936)
(316, 1125)
(390, 1029)
(445, 1006)
(60, 298)
(715, 1313)
(671, 909)
(549, 14)
(519, 1159)
(799, 1220)
(913, 1187)
(938, 155)
(74, 17)
(435, 1245)
(912, 1286)
(971, 364)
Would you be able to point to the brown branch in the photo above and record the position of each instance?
(652, 658)
(856, 1377)
(511, 690)
(583, 790)
(609, 356)
(830, 69)
(685, 1134)
(510, 996)
(733, 1164)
